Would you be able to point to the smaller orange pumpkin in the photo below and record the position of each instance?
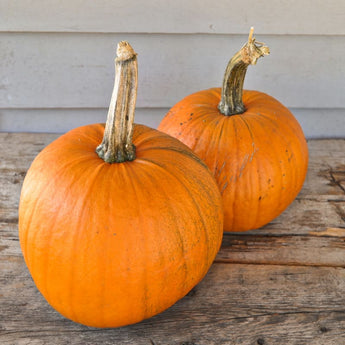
(251, 142)
(115, 237)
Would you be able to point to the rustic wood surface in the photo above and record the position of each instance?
(282, 284)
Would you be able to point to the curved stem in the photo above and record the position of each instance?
(117, 146)
(231, 96)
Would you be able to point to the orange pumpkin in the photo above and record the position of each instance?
(112, 243)
(252, 143)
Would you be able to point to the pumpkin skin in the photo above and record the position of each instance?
(259, 157)
(112, 244)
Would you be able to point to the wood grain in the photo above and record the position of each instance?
(284, 283)
(308, 17)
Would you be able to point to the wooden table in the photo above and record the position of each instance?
(282, 284)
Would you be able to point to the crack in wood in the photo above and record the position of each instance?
(276, 263)
(336, 201)
(9, 220)
(335, 176)
(340, 212)
(336, 181)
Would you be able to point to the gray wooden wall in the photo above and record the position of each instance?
(56, 57)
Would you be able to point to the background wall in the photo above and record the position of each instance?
(57, 57)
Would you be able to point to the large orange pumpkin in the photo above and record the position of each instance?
(251, 142)
(110, 243)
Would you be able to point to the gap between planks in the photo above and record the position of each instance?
(272, 263)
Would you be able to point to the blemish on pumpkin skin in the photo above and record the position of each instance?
(253, 154)
(223, 180)
(224, 187)
(245, 161)
(220, 170)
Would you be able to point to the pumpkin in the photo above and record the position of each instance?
(252, 143)
(116, 236)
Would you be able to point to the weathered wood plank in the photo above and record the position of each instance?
(308, 17)
(306, 214)
(273, 329)
(284, 283)
(304, 250)
(51, 70)
(234, 304)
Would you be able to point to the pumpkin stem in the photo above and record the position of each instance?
(117, 146)
(231, 102)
